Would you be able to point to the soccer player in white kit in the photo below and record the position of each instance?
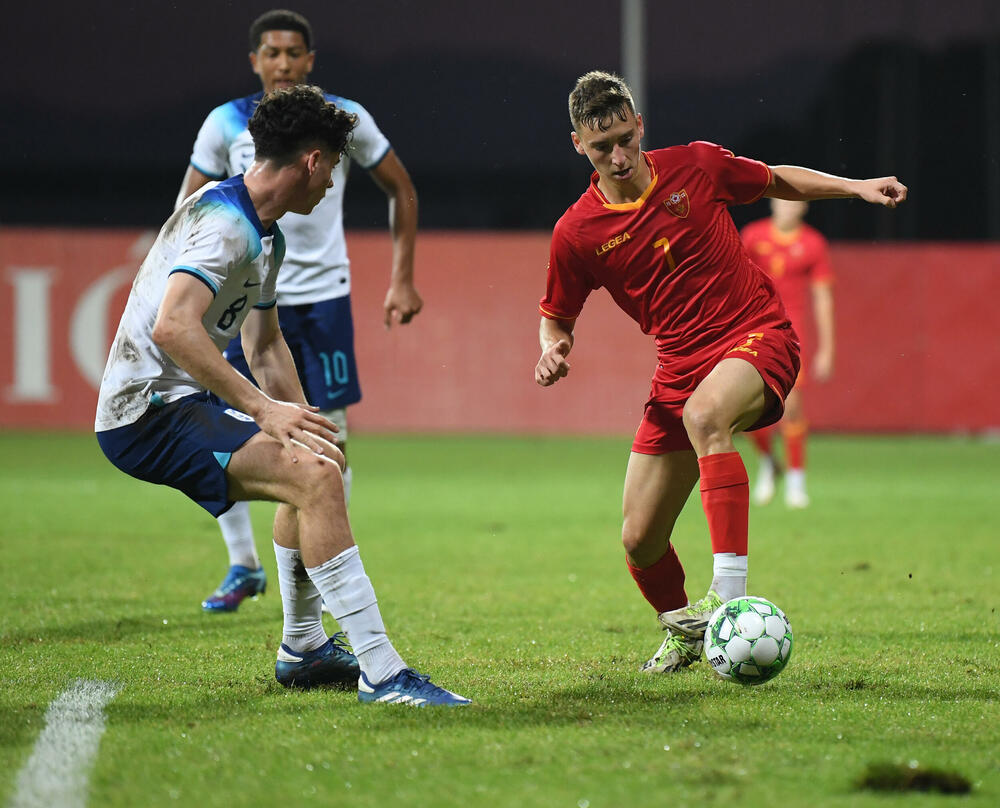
(314, 304)
(172, 411)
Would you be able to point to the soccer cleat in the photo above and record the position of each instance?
(692, 620)
(795, 489)
(330, 664)
(410, 688)
(676, 652)
(767, 480)
(239, 583)
(796, 498)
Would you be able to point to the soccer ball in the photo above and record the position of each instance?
(748, 640)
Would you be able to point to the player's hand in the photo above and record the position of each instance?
(887, 191)
(552, 366)
(300, 427)
(823, 366)
(402, 302)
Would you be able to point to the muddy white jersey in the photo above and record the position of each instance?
(316, 267)
(216, 237)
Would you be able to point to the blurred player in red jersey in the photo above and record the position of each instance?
(796, 257)
(653, 228)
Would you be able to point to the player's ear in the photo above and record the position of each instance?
(639, 124)
(577, 143)
(312, 160)
(253, 62)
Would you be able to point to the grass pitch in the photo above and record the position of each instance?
(499, 571)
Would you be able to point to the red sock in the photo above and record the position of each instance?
(725, 496)
(761, 438)
(795, 443)
(663, 583)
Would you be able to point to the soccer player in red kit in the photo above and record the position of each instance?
(653, 229)
(796, 256)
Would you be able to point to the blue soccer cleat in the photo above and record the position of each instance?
(330, 664)
(239, 583)
(410, 688)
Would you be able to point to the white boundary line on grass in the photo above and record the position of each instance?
(57, 772)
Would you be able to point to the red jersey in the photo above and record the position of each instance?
(794, 260)
(672, 260)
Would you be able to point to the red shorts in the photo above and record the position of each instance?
(774, 353)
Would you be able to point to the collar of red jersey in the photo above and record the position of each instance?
(626, 205)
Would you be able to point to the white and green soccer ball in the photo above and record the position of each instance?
(748, 640)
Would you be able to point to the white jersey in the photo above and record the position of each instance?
(217, 237)
(316, 267)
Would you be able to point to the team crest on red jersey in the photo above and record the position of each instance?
(678, 203)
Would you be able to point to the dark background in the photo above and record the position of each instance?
(102, 101)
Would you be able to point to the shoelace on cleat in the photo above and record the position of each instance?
(675, 642)
(417, 682)
(702, 605)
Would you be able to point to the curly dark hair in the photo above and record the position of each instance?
(280, 19)
(597, 98)
(291, 120)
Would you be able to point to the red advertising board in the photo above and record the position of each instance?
(916, 347)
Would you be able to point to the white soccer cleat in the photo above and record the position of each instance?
(796, 498)
(795, 489)
(690, 621)
(767, 478)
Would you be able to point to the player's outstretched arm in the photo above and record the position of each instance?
(556, 339)
(795, 182)
(402, 301)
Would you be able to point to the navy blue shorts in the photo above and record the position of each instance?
(321, 339)
(186, 444)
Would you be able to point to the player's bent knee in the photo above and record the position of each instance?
(321, 477)
(631, 541)
(644, 551)
(263, 469)
(701, 420)
(639, 538)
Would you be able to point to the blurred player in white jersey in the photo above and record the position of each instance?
(314, 304)
(172, 411)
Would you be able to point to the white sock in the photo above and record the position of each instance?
(303, 627)
(729, 575)
(348, 476)
(766, 466)
(350, 597)
(237, 533)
